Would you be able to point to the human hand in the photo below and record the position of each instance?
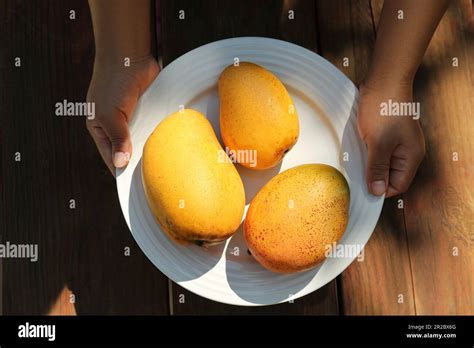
(115, 91)
(395, 144)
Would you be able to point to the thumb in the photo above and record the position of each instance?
(117, 130)
(378, 166)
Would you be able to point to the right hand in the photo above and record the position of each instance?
(115, 91)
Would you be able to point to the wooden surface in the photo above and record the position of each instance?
(83, 248)
(440, 207)
(82, 268)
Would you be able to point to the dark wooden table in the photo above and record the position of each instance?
(420, 259)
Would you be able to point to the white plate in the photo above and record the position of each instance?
(326, 102)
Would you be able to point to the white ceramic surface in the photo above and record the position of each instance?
(326, 102)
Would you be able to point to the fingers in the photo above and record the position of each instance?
(391, 170)
(378, 165)
(118, 133)
(112, 138)
(116, 92)
(403, 170)
(103, 144)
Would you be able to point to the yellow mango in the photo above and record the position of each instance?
(256, 114)
(195, 196)
(296, 217)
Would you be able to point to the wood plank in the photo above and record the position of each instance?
(211, 20)
(440, 206)
(373, 286)
(347, 33)
(82, 248)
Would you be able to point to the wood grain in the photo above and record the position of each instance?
(440, 205)
(373, 286)
(211, 20)
(347, 33)
(82, 248)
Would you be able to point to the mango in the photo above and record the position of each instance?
(257, 115)
(195, 196)
(296, 217)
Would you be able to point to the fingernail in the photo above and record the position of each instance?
(121, 159)
(378, 187)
